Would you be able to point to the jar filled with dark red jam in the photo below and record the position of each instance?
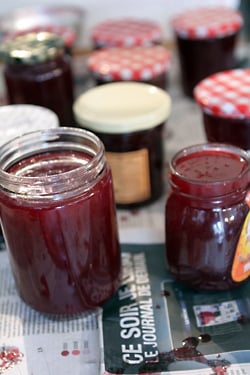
(205, 39)
(224, 99)
(148, 64)
(207, 217)
(130, 119)
(38, 71)
(58, 218)
(126, 32)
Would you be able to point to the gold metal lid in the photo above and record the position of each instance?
(32, 48)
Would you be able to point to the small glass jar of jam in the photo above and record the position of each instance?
(38, 71)
(224, 99)
(206, 39)
(207, 217)
(58, 218)
(142, 64)
(126, 32)
(129, 117)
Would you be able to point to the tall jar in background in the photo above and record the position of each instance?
(130, 119)
(206, 40)
(148, 64)
(207, 217)
(58, 217)
(38, 71)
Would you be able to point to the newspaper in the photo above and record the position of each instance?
(42, 344)
(151, 325)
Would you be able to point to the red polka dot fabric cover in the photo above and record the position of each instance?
(126, 32)
(225, 94)
(208, 22)
(67, 33)
(134, 63)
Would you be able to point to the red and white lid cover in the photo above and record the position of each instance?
(225, 94)
(208, 22)
(66, 32)
(126, 32)
(134, 63)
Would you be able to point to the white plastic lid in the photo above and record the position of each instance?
(17, 119)
(122, 107)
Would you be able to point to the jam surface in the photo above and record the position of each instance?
(202, 231)
(208, 166)
(64, 253)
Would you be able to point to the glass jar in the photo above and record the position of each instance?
(224, 99)
(206, 39)
(207, 217)
(59, 221)
(38, 71)
(126, 32)
(130, 118)
(142, 64)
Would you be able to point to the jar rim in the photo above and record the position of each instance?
(210, 187)
(46, 140)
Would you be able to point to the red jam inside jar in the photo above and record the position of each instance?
(206, 40)
(62, 238)
(205, 213)
(38, 71)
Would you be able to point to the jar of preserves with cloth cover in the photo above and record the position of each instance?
(149, 64)
(126, 32)
(224, 99)
(206, 38)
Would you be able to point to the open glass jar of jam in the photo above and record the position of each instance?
(58, 218)
(126, 32)
(148, 64)
(130, 118)
(206, 39)
(207, 216)
(224, 99)
(38, 71)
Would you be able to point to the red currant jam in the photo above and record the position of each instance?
(227, 130)
(205, 213)
(63, 250)
(200, 58)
